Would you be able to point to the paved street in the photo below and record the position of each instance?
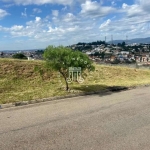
(114, 121)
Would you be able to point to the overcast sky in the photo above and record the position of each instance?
(30, 24)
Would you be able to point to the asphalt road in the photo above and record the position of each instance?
(114, 121)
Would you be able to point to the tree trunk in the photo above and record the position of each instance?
(67, 86)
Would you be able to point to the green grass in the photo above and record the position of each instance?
(19, 81)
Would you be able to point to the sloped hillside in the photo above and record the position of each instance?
(26, 80)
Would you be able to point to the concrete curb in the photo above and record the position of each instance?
(110, 89)
(22, 103)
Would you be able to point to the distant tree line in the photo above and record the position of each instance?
(92, 43)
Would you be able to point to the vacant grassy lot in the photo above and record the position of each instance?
(20, 81)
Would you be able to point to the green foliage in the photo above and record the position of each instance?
(42, 69)
(123, 44)
(130, 61)
(39, 52)
(61, 58)
(39, 70)
(102, 55)
(19, 56)
(96, 54)
(116, 61)
(92, 43)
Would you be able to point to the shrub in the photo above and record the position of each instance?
(19, 56)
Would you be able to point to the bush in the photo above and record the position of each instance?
(19, 56)
(130, 61)
(116, 61)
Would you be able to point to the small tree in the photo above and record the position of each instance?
(61, 58)
(19, 56)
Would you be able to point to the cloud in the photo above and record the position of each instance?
(39, 2)
(69, 17)
(56, 30)
(95, 9)
(37, 10)
(140, 8)
(135, 20)
(55, 13)
(16, 28)
(37, 19)
(133, 10)
(144, 4)
(131, 26)
(24, 14)
(64, 8)
(90, 21)
(30, 30)
(113, 3)
(3, 13)
(45, 31)
(105, 24)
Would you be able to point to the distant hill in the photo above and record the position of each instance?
(136, 40)
(14, 51)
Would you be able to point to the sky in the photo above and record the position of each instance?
(35, 24)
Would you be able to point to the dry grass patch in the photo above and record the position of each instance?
(106, 76)
(19, 81)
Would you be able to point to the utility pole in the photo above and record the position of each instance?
(105, 39)
(112, 39)
(126, 39)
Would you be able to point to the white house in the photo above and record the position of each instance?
(30, 58)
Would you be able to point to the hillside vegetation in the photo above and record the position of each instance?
(20, 80)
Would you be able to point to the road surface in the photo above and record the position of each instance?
(112, 121)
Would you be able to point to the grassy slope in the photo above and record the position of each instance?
(19, 81)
